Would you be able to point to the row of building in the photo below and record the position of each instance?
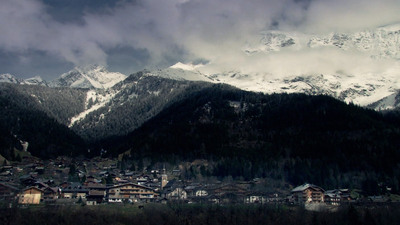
(93, 193)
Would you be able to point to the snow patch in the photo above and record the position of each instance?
(189, 67)
(94, 101)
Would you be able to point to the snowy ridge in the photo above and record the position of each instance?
(37, 80)
(180, 73)
(387, 103)
(382, 42)
(92, 76)
(369, 90)
(372, 77)
(8, 78)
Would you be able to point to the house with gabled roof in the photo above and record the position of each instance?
(227, 194)
(131, 192)
(308, 193)
(174, 190)
(51, 193)
(30, 195)
(75, 190)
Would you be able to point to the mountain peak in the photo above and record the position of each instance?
(189, 66)
(8, 78)
(36, 80)
(90, 76)
(90, 68)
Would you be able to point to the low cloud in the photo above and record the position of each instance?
(166, 31)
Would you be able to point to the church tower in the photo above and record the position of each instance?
(164, 179)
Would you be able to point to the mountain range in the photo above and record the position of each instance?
(159, 116)
(97, 104)
(376, 90)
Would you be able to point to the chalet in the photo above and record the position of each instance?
(174, 190)
(50, 193)
(97, 193)
(333, 197)
(131, 192)
(307, 193)
(75, 190)
(191, 190)
(30, 195)
(255, 198)
(96, 187)
(8, 192)
(229, 193)
(95, 197)
(177, 193)
(197, 191)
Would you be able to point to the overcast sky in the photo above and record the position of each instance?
(50, 37)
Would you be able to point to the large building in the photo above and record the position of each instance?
(31, 195)
(308, 193)
(131, 192)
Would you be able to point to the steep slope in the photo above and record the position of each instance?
(98, 113)
(124, 107)
(92, 77)
(46, 137)
(58, 103)
(293, 136)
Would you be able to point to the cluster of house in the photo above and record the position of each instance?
(93, 193)
(129, 187)
(309, 193)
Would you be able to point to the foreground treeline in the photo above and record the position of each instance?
(197, 214)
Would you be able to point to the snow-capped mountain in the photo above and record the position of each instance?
(383, 42)
(126, 105)
(181, 71)
(8, 78)
(367, 92)
(365, 87)
(92, 77)
(37, 80)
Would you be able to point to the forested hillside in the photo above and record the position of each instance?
(133, 101)
(58, 103)
(46, 137)
(294, 137)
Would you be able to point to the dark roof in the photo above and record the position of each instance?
(32, 188)
(75, 188)
(121, 185)
(9, 186)
(305, 187)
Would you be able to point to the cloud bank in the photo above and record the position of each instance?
(148, 33)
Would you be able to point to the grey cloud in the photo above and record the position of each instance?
(348, 15)
(131, 35)
(33, 63)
